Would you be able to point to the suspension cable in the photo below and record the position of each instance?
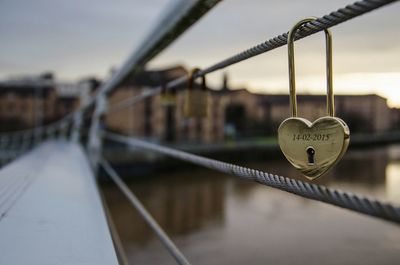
(334, 18)
(176, 21)
(131, 101)
(353, 202)
(167, 242)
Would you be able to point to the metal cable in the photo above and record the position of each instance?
(334, 18)
(354, 202)
(341, 15)
(167, 242)
(131, 101)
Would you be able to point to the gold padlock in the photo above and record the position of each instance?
(168, 96)
(312, 147)
(196, 98)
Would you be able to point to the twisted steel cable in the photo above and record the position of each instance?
(334, 18)
(341, 15)
(167, 242)
(354, 202)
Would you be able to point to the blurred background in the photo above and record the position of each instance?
(55, 54)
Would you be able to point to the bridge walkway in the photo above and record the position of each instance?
(51, 211)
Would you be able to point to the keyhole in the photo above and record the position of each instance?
(310, 155)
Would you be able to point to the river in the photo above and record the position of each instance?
(219, 219)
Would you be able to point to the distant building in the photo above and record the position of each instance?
(367, 113)
(395, 118)
(70, 95)
(26, 103)
(233, 113)
(153, 120)
(38, 100)
(363, 113)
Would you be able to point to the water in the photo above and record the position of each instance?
(218, 219)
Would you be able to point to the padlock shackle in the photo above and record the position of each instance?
(292, 74)
(191, 79)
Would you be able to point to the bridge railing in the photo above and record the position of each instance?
(13, 144)
(175, 21)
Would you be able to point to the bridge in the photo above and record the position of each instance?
(50, 205)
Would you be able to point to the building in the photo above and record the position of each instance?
(363, 113)
(71, 95)
(33, 101)
(25, 103)
(233, 113)
(395, 118)
(154, 119)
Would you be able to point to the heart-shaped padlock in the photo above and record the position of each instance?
(312, 148)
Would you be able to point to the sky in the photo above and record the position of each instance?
(75, 39)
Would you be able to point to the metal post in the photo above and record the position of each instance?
(76, 130)
(4, 142)
(50, 131)
(63, 130)
(84, 89)
(37, 136)
(25, 142)
(95, 143)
